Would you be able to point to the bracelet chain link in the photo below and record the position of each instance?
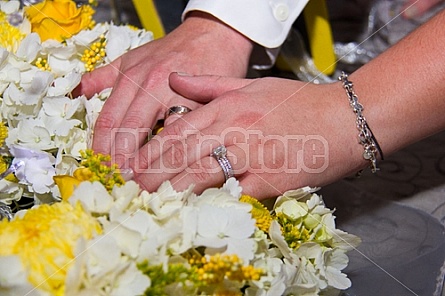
(366, 137)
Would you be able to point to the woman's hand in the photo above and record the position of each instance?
(141, 93)
(278, 134)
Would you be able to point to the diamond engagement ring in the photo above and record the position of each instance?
(220, 154)
(180, 110)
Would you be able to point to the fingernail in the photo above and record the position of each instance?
(183, 74)
(127, 174)
(411, 12)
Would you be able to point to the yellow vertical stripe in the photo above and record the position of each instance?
(149, 17)
(320, 36)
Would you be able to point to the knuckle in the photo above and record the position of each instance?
(133, 119)
(175, 130)
(140, 164)
(201, 176)
(205, 170)
(176, 157)
(105, 121)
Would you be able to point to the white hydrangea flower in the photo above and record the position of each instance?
(304, 290)
(232, 187)
(93, 107)
(57, 115)
(278, 240)
(8, 73)
(31, 133)
(226, 230)
(35, 168)
(121, 39)
(128, 240)
(307, 254)
(64, 85)
(227, 196)
(29, 48)
(273, 282)
(10, 191)
(33, 91)
(93, 196)
(65, 164)
(185, 224)
(62, 58)
(166, 201)
(333, 262)
(77, 140)
(119, 42)
(124, 195)
(84, 38)
(96, 271)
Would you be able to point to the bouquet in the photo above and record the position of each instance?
(85, 231)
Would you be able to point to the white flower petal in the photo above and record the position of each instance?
(64, 85)
(118, 42)
(13, 277)
(29, 47)
(93, 196)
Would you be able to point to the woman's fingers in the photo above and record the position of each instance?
(177, 146)
(207, 172)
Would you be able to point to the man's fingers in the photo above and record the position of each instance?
(112, 114)
(204, 88)
(98, 80)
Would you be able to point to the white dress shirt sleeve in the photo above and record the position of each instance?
(265, 22)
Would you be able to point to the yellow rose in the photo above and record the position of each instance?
(59, 19)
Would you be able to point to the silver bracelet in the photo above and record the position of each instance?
(366, 137)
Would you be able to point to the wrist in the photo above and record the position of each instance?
(366, 138)
(339, 128)
(220, 36)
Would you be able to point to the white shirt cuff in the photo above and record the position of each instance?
(266, 22)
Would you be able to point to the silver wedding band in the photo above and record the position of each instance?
(179, 110)
(220, 154)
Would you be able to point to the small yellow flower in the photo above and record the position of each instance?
(294, 233)
(94, 55)
(108, 175)
(44, 239)
(59, 19)
(93, 169)
(217, 268)
(259, 212)
(42, 64)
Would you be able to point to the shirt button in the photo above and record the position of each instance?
(281, 12)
